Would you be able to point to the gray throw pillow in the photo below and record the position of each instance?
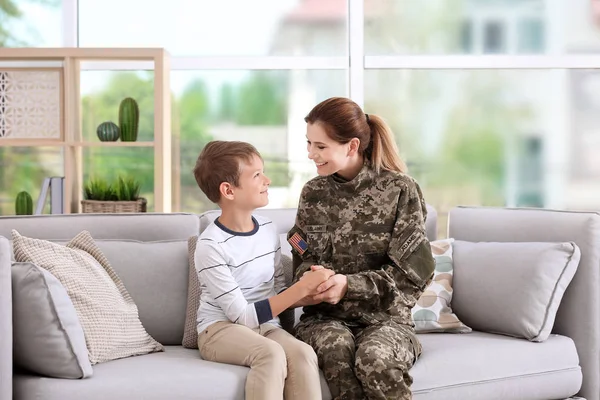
(48, 338)
(513, 289)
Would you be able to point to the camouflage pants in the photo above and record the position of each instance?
(363, 363)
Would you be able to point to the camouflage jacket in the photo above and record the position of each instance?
(371, 229)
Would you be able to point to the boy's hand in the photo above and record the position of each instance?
(310, 281)
(313, 268)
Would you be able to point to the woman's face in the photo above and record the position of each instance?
(328, 155)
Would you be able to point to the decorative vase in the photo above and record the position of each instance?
(108, 132)
(129, 118)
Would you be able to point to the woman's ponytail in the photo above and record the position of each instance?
(382, 151)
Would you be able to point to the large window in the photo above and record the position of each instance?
(495, 137)
(457, 26)
(217, 28)
(31, 23)
(492, 102)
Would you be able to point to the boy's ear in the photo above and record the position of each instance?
(354, 145)
(226, 190)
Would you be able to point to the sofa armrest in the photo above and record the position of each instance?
(578, 316)
(6, 343)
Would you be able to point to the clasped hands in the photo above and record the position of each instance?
(326, 285)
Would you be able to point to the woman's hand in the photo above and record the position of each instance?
(314, 279)
(332, 290)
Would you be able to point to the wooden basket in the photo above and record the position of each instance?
(112, 207)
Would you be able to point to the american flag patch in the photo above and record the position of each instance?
(298, 243)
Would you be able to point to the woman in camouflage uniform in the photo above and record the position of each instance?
(364, 218)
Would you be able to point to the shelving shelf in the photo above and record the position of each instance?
(71, 139)
(112, 144)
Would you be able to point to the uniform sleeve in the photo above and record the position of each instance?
(279, 276)
(301, 260)
(214, 273)
(412, 263)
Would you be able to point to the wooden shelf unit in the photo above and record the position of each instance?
(71, 139)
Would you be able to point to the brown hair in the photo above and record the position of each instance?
(220, 161)
(343, 120)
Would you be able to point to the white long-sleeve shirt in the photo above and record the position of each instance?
(238, 272)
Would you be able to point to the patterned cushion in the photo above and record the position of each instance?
(432, 313)
(108, 315)
(190, 336)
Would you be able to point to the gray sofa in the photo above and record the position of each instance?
(453, 366)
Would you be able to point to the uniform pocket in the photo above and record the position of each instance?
(373, 242)
(320, 246)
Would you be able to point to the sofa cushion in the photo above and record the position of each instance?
(495, 367)
(433, 313)
(107, 313)
(512, 288)
(451, 367)
(155, 274)
(160, 293)
(48, 338)
(177, 373)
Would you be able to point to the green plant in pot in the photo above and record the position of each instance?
(119, 196)
(127, 189)
(99, 189)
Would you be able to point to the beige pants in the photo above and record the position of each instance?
(281, 366)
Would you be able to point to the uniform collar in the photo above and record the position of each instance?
(363, 179)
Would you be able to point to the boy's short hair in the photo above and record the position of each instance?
(221, 161)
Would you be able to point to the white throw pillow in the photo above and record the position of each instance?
(513, 289)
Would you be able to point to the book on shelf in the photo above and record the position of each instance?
(53, 186)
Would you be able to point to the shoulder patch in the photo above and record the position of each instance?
(298, 243)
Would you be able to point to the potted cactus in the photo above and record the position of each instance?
(108, 131)
(129, 118)
(120, 196)
(24, 204)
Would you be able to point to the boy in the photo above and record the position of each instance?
(238, 261)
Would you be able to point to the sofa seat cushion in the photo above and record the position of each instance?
(453, 366)
(177, 373)
(487, 366)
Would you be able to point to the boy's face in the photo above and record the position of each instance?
(254, 184)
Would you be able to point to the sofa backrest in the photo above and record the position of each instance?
(579, 313)
(148, 251)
